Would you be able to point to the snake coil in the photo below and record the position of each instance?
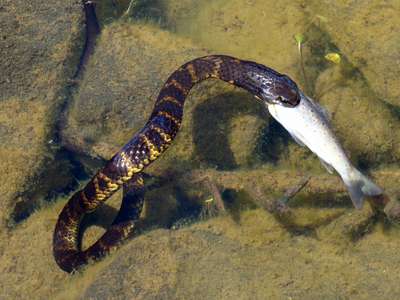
(125, 168)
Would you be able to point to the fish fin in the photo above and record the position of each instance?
(360, 186)
(327, 166)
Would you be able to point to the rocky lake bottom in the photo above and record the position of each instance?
(56, 130)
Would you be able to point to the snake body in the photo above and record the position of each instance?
(125, 168)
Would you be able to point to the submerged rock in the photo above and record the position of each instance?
(367, 33)
(245, 252)
(39, 48)
(221, 259)
(261, 31)
(352, 92)
(366, 127)
(119, 89)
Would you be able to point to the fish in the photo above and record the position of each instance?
(309, 125)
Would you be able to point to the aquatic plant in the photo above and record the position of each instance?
(300, 40)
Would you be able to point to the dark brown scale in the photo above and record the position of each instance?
(147, 145)
(156, 137)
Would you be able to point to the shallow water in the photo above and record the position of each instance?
(56, 132)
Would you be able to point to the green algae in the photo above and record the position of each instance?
(38, 56)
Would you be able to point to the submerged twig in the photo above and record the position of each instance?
(219, 203)
(280, 205)
(291, 192)
(214, 204)
(132, 4)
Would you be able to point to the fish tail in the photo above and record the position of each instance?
(359, 186)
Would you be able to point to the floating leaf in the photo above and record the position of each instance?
(333, 57)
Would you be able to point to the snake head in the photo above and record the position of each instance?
(272, 87)
(282, 91)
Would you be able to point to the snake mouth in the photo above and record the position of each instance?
(274, 88)
(286, 100)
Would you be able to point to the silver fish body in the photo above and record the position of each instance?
(309, 125)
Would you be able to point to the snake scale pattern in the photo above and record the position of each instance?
(125, 168)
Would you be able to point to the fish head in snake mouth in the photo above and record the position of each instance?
(282, 91)
(273, 87)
